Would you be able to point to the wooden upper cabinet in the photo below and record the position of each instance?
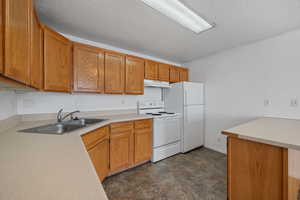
(17, 40)
(174, 74)
(164, 72)
(1, 37)
(114, 73)
(36, 66)
(88, 65)
(184, 74)
(151, 70)
(57, 64)
(134, 77)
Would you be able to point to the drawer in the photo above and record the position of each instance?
(92, 138)
(142, 124)
(121, 127)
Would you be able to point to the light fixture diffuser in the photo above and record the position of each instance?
(177, 11)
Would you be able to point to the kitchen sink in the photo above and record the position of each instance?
(63, 127)
(84, 121)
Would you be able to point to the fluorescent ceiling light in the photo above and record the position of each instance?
(177, 11)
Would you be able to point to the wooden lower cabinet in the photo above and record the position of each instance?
(97, 145)
(99, 155)
(294, 188)
(121, 146)
(294, 175)
(256, 171)
(121, 151)
(142, 141)
(1, 37)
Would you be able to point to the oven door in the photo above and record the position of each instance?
(166, 130)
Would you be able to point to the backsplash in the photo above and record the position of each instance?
(41, 102)
(8, 104)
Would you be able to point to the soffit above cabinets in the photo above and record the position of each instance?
(134, 26)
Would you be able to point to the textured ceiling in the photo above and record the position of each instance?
(131, 25)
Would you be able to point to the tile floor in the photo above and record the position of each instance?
(197, 175)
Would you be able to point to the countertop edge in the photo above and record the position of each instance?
(237, 132)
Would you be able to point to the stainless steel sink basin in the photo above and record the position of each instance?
(64, 127)
(85, 121)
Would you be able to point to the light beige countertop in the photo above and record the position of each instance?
(274, 131)
(48, 167)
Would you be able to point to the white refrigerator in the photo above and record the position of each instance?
(187, 98)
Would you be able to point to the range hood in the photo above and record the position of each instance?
(159, 84)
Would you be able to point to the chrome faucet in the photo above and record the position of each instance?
(61, 118)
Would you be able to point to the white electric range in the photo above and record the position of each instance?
(166, 129)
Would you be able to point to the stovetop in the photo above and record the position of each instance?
(160, 113)
(155, 109)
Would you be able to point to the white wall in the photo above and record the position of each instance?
(238, 81)
(41, 102)
(12, 103)
(8, 104)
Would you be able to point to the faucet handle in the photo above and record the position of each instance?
(72, 113)
(59, 115)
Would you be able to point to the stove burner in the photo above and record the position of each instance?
(168, 113)
(156, 114)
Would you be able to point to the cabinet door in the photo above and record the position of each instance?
(294, 174)
(1, 37)
(164, 72)
(256, 171)
(114, 73)
(99, 155)
(174, 74)
(142, 141)
(184, 74)
(134, 83)
(151, 70)
(36, 67)
(88, 69)
(57, 66)
(17, 40)
(121, 150)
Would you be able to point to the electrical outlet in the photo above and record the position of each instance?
(266, 102)
(123, 101)
(294, 103)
